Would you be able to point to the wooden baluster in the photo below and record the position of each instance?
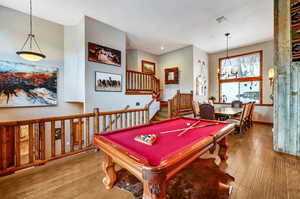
(144, 82)
(139, 117)
(4, 154)
(104, 123)
(63, 138)
(135, 81)
(96, 121)
(87, 131)
(110, 122)
(131, 78)
(80, 133)
(71, 135)
(53, 147)
(140, 81)
(134, 118)
(148, 82)
(143, 117)
(17, 146)
(30, 144)
(116, 121)
(127, 86)
(126, 120)
(121, 120)
(130, 119)
(147, 115)
(42, 140)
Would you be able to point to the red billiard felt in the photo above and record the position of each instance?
(166, 145)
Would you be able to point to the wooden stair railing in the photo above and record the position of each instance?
(180, 103)
(115, 120)
(142, 83)
(56, 137)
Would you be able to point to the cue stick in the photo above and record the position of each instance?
(173, 131)
(184, 131)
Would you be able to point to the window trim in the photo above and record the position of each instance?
(244, 79)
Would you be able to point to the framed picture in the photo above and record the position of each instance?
(23, 85)
(148, 67)
(108, 82)
(105, 55)
(171, 76)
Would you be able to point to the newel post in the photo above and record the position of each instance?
(96, 120)
(169, 108)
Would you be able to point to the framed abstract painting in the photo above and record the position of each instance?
(23, 85)
(108, 82)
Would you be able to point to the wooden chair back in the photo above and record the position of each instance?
(251, 114)
(207, 111)
(236, 104)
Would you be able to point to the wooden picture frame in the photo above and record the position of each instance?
(171, 76)
(104, 55)
(148, 67)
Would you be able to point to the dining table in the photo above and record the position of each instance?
(223, 113)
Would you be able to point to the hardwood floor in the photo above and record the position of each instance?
(260, 173)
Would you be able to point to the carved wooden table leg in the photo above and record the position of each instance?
(154, 191)
(223, 149)
(155, 186)
(108, 167)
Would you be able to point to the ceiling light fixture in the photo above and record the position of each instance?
(30, 54)
(221, 19)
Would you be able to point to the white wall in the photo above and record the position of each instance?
(262, 113)
(134, 60)
(183, 59)
(74, 61)
(200, 60)
(14, 27)
(106, 35)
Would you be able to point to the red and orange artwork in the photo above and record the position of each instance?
(27, 85)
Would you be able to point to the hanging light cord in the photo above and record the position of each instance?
(31, 36)
(227, 49)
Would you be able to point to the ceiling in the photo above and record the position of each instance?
(173, 24)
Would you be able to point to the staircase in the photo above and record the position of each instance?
(139, 83)
(162, 114)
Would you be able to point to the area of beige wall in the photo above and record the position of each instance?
(183, 59)
(50, 37)
(262, 113)
(134, 60)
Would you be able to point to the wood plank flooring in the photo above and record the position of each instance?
(260, 173)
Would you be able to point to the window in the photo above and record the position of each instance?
(240, 78)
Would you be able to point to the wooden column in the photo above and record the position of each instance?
(287, 83)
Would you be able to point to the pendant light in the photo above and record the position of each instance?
(27, 52)
(227, 60)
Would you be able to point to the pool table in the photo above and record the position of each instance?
(155, 165)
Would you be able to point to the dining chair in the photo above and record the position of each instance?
(236, 104)
(250, 119)
(242, 122)
(196, 109)
(207, 111)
